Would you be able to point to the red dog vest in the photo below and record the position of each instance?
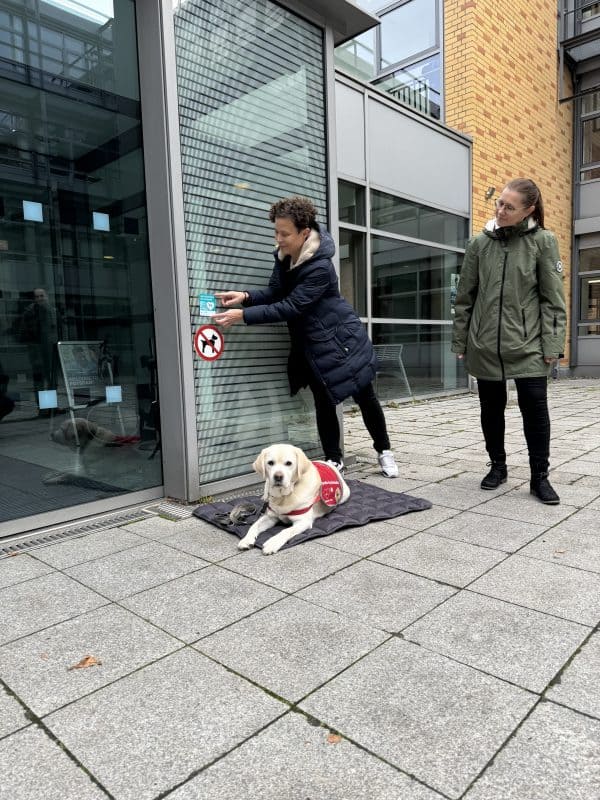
(330, 492)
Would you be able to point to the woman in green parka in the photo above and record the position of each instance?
(510, 320)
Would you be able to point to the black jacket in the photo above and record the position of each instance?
(324, 328)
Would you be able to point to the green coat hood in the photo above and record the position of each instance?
(510, 307)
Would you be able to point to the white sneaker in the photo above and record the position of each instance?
(388, 465)
(339, 465)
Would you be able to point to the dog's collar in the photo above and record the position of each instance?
(297, 511)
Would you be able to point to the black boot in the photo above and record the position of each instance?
(496, 476)
(541, 488)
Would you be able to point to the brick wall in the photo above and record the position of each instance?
(501, 88)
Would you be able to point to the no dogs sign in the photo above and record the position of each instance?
(208, 342)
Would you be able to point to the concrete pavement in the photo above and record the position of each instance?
(449, 653)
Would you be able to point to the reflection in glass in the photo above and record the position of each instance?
(357, 56)
(353, 278)
(408, 30)
(590, 298)
(591, 141)
(429, 364)
(589, 259)
(406, 218)
(351, 201)
(411, 281)
(252, 123)
(70, 139)
(417, 85)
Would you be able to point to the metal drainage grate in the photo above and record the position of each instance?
(81, 529)
(172, 510)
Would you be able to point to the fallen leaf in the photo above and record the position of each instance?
(334, 738)
(86, 661)
(45, 656)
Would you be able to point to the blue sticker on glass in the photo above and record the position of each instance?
(208, 305)
(47, 399)
(113, 394)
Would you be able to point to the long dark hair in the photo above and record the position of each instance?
(531, 197)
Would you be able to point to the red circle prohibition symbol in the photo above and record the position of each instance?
(208, 342)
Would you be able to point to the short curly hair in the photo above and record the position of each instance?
(300, 210)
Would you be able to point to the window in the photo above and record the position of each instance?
(407, 218)
(353, 269)
(408, 30)
(590, 136)
(351, 200)
(402, 55)
(252, 126)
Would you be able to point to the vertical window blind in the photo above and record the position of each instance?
(252, 125)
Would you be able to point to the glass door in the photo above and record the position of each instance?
(78, 392)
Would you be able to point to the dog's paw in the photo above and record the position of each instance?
(273, 545)
(245, 543)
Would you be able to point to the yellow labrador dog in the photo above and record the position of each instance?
(297, 490)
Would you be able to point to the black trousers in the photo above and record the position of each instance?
(328, 425)
(532, 394)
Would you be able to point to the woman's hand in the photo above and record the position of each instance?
(549, 359)
(226, 318)
(230, 298)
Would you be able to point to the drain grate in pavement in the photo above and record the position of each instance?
(172, 510)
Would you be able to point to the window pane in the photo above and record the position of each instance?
(589, 260)
(408, 30)
(428, 363)
(590, 298)
(591, 141)
(243, 146)
(353, 280)
(411, 281)
(417, 85)
(351, 200)
(590, 103)
(406, 218)
(358, 56)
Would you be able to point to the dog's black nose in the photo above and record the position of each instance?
(277, 477)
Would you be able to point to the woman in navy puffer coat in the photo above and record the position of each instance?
(330, 349)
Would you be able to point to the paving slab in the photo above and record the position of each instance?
(86, 548)
(38, 603)
(299, 761)
(586, 520)
(35, 767)
(151, 730)
(154, 527)
(516, 644)
(201, 603)
(367, 539)
(554, 755)
(497, 533)
(122, 574)
(566, 546)
(520, 505)
(452, 496)
(551, 588)
(453, 562)
(199, 538)
(39, 670)
(291, 647)
(294, 568)
(433, 718)
(19, 568)
(578, 686)
(12, 714)
(377, 595)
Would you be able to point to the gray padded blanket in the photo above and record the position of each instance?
(367, 503)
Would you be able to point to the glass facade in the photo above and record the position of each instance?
(252, 125)
(78, 398)
(401, 271)
(402, 56)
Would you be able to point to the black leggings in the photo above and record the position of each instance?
(328, 425)
(533, 402)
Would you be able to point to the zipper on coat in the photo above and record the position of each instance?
(555, 325)
(524, 323)
(504, 247)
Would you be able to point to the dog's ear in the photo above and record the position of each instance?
(303, 462)
(259, 464)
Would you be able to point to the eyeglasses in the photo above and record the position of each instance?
(507, 207)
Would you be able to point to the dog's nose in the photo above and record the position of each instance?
(278, 477)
